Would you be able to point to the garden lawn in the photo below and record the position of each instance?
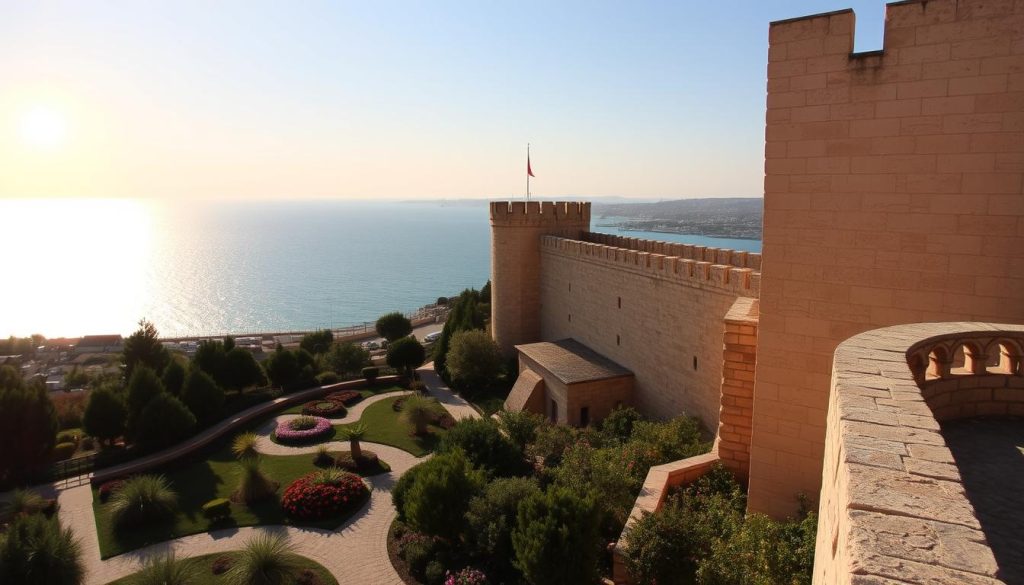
(198, 482)
(204, 575)
(366, 392)
(385, 426)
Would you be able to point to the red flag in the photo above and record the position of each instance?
(529, 170)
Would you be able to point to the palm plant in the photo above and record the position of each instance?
(37, 549)
(418, 411)
(166, 570)
(253, 484)
(22, 503)
(244, 445)
(355, 433)
(142, 499)
(267, 559)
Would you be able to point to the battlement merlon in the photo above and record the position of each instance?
(540, 213)
(824, 42)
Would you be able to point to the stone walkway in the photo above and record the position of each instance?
(989, 454)
(354, 553)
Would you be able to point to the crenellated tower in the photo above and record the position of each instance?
(516, 231)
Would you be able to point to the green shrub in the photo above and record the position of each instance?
(484, 446)
(64, 451)
(143, 386)
(68, 437)
(174, 377)
(551, 442)
(520, 426)
(164, 422)
(434, 573)
(267, 559)
(203, 397)
(405, 355)
(401, 490)
(370, 374)
(28, 416)
(556, 538)
(762, 551)
(437, 500)
(347, 358)
(492, 516)
(37, 549)
(143, 499)
(618, 425)
(326, 378)
(105, 414)
(393, 326)
(217, 509)
(474, 361)
(166, 570)
(601, 475)
(317, 342)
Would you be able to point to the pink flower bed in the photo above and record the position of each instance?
(286, 434)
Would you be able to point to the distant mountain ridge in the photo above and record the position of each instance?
(726, 217)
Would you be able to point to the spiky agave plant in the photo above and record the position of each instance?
(22, 502)
(253, 484)
(244, 446)
(37, 549)
(267, 559)
(418, 411)
(142, 499)
(166, 570)
(355, 433)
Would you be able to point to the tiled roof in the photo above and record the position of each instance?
(572, 362)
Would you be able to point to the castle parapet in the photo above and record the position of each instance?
(741, 281)
(540, 213)
(727, 256)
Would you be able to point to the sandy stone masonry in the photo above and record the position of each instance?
(893, 504)
(726, 256)
(893, 194)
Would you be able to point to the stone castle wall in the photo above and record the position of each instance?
(660, 316)
(892, 195)
(516, 230)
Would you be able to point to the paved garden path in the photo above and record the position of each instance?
(456, 405)
(356, 552)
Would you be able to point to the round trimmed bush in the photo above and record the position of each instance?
(324, 494)
(327, 408)
(143, 499)
(302, 429)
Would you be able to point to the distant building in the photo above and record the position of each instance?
(100, 344)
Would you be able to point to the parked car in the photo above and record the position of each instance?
(432, 337)
(371, 345)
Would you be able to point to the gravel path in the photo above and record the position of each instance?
(354, 553)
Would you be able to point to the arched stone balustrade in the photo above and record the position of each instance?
(893, 505)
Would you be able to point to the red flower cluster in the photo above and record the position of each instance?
(328, 408)
(346, 397)
(108, 489)
(308, 500)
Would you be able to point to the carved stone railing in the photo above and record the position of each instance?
(893, 507)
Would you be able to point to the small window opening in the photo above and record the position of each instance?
(585, 416)
(618, 340)
(694, 362)
(620, 302)
(570, 317)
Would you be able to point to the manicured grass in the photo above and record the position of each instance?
(204, 575)
(198, 482)
(385, 426)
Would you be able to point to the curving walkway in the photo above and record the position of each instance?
(356, 552)
(456, 405)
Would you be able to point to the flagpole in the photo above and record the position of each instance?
(527, 171)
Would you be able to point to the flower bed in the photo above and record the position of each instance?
(328, 408)
(346, 397)
(292, 431)
(108, 489)
(312, 498)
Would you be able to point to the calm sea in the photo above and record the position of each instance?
(205, 268)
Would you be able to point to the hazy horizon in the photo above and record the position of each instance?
(394, 100)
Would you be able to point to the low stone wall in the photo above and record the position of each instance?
(893, 506)
(660, 479)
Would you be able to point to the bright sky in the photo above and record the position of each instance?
(388, 99)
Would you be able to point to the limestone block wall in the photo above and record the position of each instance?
(723, 256)
(516, 230)
(653, 314)
(893, 505)
(736, 413)
(892, 195)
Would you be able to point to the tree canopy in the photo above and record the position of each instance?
(347, 358)
(144, 348)
(406, 355)
(468, 313)
(393, 326)
(29, 421)
(317, 342)
(474, 361)
(105, 414)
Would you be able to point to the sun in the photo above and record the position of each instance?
(42, 128)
